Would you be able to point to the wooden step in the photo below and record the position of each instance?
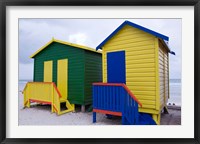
(70, 107)
(62, 100)
(65, 111)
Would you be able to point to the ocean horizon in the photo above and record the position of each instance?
(174, 90)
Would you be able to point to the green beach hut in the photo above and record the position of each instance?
(72, 67)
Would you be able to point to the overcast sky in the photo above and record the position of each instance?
(34, 33)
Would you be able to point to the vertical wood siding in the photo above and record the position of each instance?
(140, 63)
(75, 56)
(164, 75)
(93, 73)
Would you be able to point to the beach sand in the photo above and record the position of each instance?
(41, 115)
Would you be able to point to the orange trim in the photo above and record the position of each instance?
(107, 112)
(55, 108)
(40, 101)
(124, 86)
(44, 102)
(132, 95)
(54, 85)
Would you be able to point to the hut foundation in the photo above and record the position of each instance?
(82, 108)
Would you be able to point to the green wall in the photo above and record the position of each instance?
(84, 67)
(93, 73)
(75, 56)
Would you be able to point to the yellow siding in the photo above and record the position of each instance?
(157, 77)
(164, 75)
(104, 67)
(140, 64)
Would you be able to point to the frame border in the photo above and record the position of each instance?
(5, 3)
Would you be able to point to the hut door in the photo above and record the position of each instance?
(48, 71)
(62, 77)
(116, 72)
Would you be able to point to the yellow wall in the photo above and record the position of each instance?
(164, 75)
(140, 64)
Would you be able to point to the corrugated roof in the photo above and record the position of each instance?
(65, 43)
(161, 36)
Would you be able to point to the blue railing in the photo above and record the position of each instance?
(107, 98)
(130, 113)
(115, 99)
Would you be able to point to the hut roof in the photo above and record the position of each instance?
(162, 37)
(65, 43)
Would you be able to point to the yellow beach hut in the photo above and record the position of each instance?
(138, 57)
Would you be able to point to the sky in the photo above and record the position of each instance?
(35, 33)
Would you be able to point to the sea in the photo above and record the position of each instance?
(175, 92)
(174, 88)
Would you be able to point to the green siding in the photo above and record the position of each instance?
(93, 73)
(75, 56)
(38, 70)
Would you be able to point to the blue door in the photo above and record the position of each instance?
(116, 71)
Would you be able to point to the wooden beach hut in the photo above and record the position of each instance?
(138, 57)
(71, 67)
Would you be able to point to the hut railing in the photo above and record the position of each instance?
(45, 93)
(115, 99)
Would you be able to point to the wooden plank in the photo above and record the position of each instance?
(128, 39)
(148, 93)
(146, 97)
(141, 84)
(147, 102)
(150, 74)
(143, 88)
(150, 60)
(141, 79)
(48, 71)
(130, 47)
(62, 77)
(157, 105)
(140, 57)
(142, 43)
(149, 65)
(138, 70)
(140, 52)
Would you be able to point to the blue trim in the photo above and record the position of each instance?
(171, 52)
(94, 117)
(133, 25)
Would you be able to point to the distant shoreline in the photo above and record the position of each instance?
(174, 107)
(175, 95)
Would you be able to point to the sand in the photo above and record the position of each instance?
(41, 115)
(174, 116)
